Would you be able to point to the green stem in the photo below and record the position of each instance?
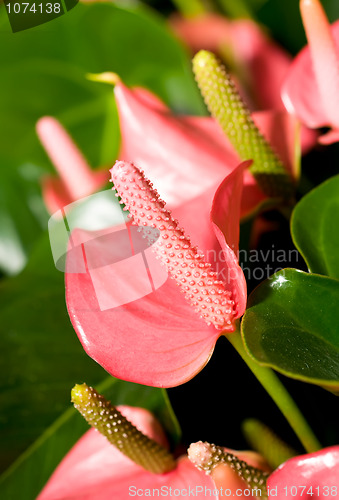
(263, 440)
(279, 394)
(190, 8)
(236, 9)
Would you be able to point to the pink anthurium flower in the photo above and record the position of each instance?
(76, 178)
(159, 339)
(193, 152)
(311, 86)
(96, 470)
(313, 475)
(155, 139)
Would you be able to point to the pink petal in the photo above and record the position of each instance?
(318, 472)
(150, 99)
(169, 150)
(140, 329)
(202, 32)
(76, 178)
(300, 91)
(198, 228)
(56, 195)
(96, 470)
(225, 216)
(324, 54)
(144, 330)
(282, 131)
(330, 137)
(265, 62)
(192, 152)
(134, 321)
(253, 198)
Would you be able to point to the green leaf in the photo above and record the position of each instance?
(291, 324)
(31, 471)
(43, 73)
(314, 228)
(59, 89)
(40, 355)
(21, 217)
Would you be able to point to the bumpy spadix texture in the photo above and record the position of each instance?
(95, 470)
(182, 260)
(121, 433)
(153, 335)
(227, 107)
(206, 457)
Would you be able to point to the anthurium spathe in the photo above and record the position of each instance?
(96, 470)
(311, 86)
(159, 339)
(313, 475)
(76, 178)
(193, 152)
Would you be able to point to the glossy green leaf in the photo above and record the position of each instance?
(41, 356)
(314, 227)
(291, 324)
(26, 477)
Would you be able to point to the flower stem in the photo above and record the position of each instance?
(190, 8)
(236, 9)
(279, 394)
(263, 440)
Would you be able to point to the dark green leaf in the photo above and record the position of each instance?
(314, 227)
(291, 324)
